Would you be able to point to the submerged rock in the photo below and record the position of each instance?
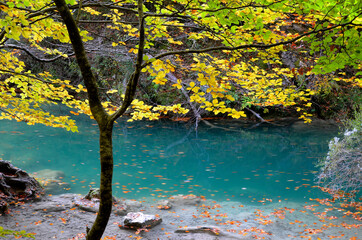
(52, 180)
(211, 230)
(50, 174)
(185, 199)
(137, 220)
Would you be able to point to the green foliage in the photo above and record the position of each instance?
(337, 100)
(16, 234)
(342, 168)
(247, 42)
(356, 121)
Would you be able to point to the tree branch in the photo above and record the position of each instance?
(25, 75)
(132, 84)
(11, 46)
(2, 35)
(89, 79)
(94, 4)
(254, 45)
(234, 8)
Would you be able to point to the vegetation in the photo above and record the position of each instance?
(342, 168)
(15, 234)
(223, 57)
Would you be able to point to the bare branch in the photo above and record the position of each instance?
(2, 34)
(25, 75)
(235, 8)
(11, 46)
(256, 115)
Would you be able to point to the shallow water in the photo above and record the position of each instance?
(235, 161)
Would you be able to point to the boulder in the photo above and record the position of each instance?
(16, 184)
(139, 220)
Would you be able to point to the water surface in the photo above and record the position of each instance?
(235, 160)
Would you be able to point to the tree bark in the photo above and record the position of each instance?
(104, 120)
(105, 123)
(106, 197)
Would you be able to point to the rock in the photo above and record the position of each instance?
(120, 209)
(51, 207)
(185, 199)
(289, 59)
(132, 204)
(91, 201)
(137, 220)
(94, 194)
(164, 204)
(66, 197)
(86, 205)
(16, 184)
(4, 208)
(210, 230)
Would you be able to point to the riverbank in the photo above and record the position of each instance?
(188, 217)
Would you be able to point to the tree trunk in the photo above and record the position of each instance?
(105, 121)
(106, 159)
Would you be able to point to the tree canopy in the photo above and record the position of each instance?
(214, 52)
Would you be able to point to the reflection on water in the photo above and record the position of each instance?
(231, 161)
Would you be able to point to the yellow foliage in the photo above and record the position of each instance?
(214, 81)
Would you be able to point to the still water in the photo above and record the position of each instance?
(233, 160)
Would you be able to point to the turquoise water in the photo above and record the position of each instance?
(236, 160)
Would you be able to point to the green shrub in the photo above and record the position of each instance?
(341, 170)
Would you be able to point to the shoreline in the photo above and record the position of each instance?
(189, 217)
